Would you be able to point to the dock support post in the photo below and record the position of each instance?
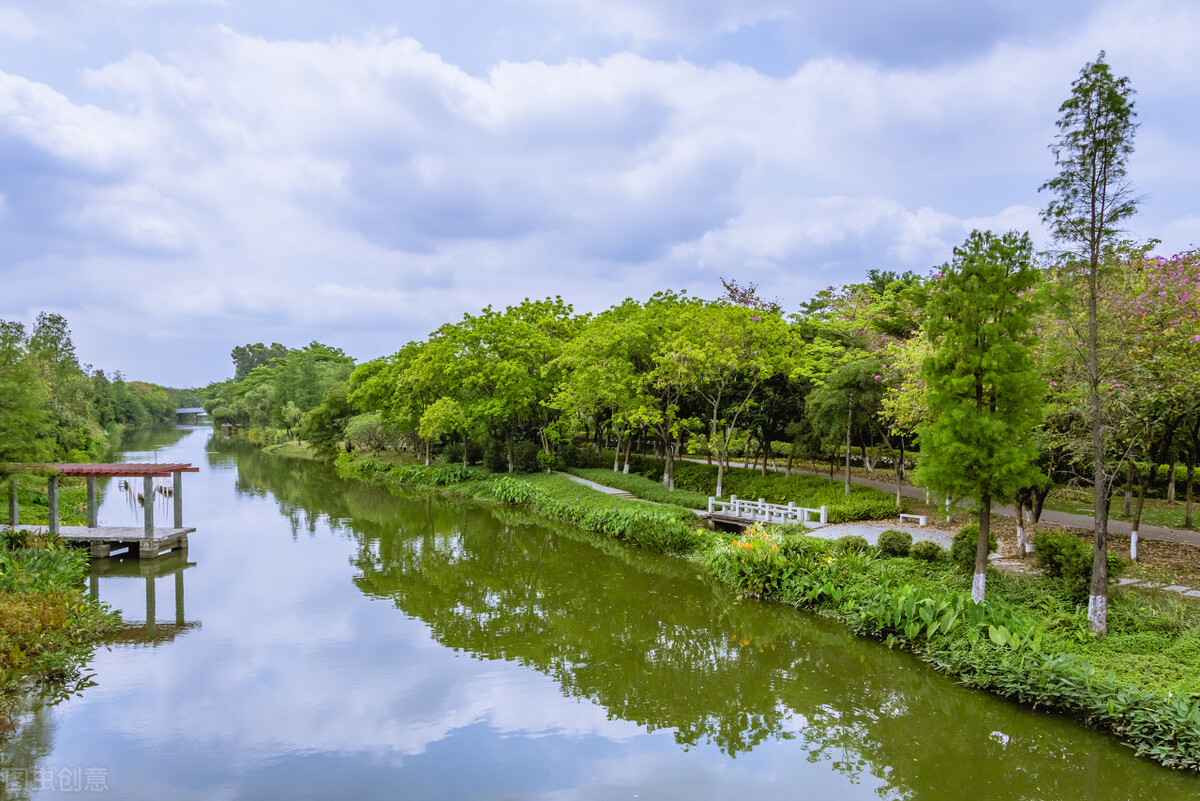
(151, 612)
(12, 502)
(52, 504)
(91, 502)
(148, 505)
(177, 494)
(179, 597)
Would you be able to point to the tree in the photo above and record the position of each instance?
(729, 350)
(247, 357)
(1092, 197)
(983, 392)
(848, 399)
(23, 394)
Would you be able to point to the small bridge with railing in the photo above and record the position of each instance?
(739, 512)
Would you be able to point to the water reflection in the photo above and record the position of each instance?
(639, 635)
(150, 628)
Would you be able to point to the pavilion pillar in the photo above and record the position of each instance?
(12, 502)
(151, 611)
(148, 505)
(91, 501)
(177, 494)
(52, 504)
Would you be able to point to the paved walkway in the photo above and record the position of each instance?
(616, 493)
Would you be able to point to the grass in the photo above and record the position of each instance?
(642, 487)
(291, 450)
(34, 505)
(1156, 512)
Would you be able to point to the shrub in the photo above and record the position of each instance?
(661, 529)
(525, 458)
(962, 550)
(453, 453)
(583, 456)
(895, 543)
(547, 461)
(928, 551)
(851, 542)
(496, 457)
(1065, 556)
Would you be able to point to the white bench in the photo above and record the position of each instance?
(920, 519)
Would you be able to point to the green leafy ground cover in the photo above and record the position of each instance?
(1028, 641)
(48, 627)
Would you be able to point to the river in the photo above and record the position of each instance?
(327, 639)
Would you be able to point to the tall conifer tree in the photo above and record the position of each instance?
(1092, 197)
(983, 392)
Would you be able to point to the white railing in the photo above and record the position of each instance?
(762, 512)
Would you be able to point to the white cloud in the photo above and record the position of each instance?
(15, 25)
(363, 190)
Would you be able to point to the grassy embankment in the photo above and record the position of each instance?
(48, 627)
(1029, 641)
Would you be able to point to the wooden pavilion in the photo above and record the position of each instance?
(148, 540)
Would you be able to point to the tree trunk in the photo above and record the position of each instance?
(1128, 487)
(720, 478)
(466, 443)
(1098, 590)
(1143, 484)
(979, 582)
(1171, 482)
(617, 454)
(628, 448)
(900, 476)
(1022, 537)
(1191, 469)
(849, 425)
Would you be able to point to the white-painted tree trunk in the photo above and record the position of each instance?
(1098, 607)
(1133, 545)
(977, 587)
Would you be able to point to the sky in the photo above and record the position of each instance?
(179, 177)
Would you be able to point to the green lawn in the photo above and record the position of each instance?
(1157, 512)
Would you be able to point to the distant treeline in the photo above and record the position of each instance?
(54, 409)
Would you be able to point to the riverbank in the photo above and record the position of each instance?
(48, 626)
(1029, 641)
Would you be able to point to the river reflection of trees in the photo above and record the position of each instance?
(638, 634)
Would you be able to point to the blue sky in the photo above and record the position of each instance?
(178, 177)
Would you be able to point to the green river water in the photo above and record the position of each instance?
(326, 639)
